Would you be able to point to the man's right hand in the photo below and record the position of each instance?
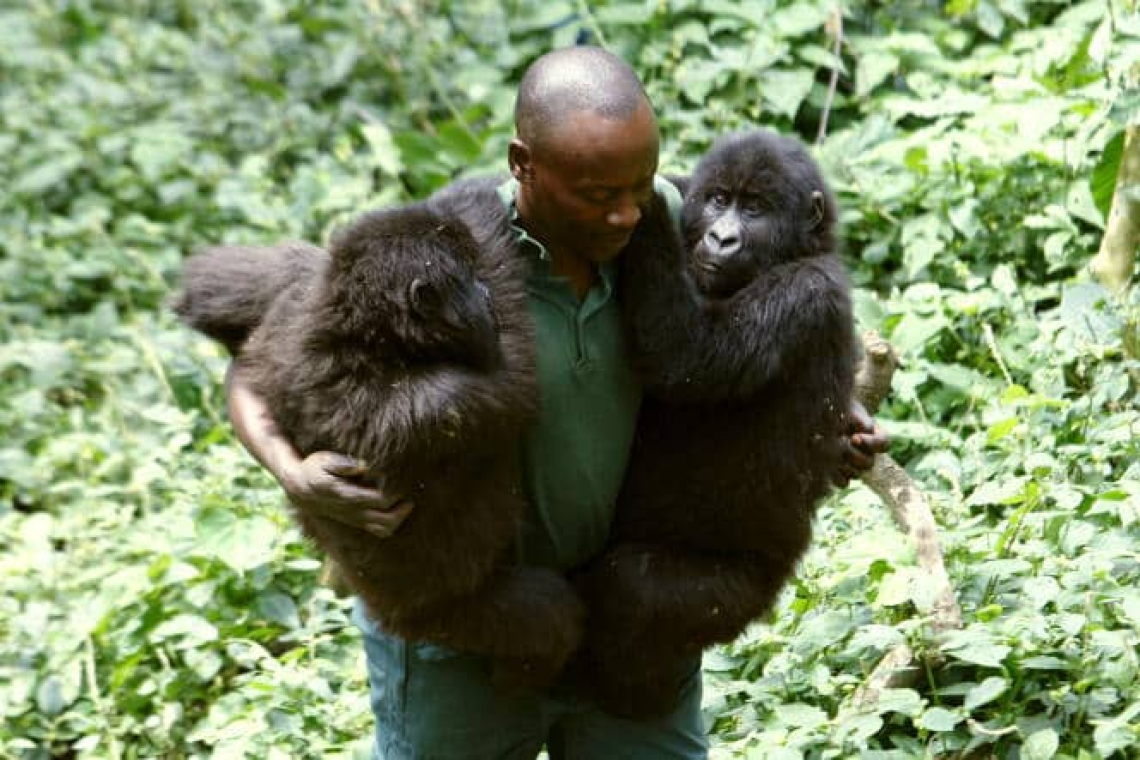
(325, 484)
(322, 484)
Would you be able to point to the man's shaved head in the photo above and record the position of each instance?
(571, 80)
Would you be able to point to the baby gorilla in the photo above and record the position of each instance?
(409, 348)
(742, 333)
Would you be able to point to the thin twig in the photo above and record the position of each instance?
(97, 697)
(835, 22)
(988, 332)
(591, 23)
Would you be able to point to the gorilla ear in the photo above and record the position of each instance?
(422, 297)
(818, 209)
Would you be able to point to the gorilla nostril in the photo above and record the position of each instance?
(722, 244)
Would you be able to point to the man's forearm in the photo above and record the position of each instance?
(255, 428)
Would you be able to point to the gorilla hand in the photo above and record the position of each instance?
(863, 440)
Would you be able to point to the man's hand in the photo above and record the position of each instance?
(322, 484)
(863, 440)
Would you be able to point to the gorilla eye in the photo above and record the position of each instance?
(753, 208)
(753, 205)
(719, 198)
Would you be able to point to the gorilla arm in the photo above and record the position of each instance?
(691, 598)
(794, 312)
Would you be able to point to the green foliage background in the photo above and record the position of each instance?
(156, 601)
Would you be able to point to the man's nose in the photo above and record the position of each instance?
(625, 215)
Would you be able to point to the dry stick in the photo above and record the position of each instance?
(835, 26)
(911, 511)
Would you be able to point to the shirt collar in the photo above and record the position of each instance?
(508, 191)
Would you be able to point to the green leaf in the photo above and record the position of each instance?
(1008, 491)
(50, 698)
(985, 692)
(159, 149)
(1040, 591)
(243, 543)
(895, 588)
(192, 630)
(784, 91)
(989, 19)
(625, 13)
(980, 653)
(51, 173)
(383, 148)
(858, 729)
(903, 701)
(826, 628)
(1040, 745)
(913, 332)
(799, 18)
(280, 608)
(801, 716)
(1102, 180)
(1043, 662)
(1085, 311)
(873, 68)
(1001, 429)
(939, 719)
(204, 663)
(1116, 733)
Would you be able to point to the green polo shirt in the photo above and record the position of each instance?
(574, 457)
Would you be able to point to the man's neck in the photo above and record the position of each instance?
(564, 262)
(580, 272)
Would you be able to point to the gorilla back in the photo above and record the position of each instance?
(742, 333)
(413, 352)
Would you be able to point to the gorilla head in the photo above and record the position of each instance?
(755, 200)
(404, 279)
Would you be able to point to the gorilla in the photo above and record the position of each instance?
(408, 347)
(742, 332)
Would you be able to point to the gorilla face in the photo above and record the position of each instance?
(451, 310)
(732, 240)
(417, 270)
(756, 200)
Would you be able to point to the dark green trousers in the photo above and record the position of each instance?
(433, 703)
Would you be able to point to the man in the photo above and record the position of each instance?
(583, 166)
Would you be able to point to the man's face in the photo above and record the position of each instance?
(590, 181)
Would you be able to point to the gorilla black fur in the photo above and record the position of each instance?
(412, 351)
(743, 335)
(228, 289)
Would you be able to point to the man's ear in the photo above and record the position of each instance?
(520, 160)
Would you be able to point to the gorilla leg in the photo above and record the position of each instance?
(653, 610)
(529, 620)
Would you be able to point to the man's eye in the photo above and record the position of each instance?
(600, 196)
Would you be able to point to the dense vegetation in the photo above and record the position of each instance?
(155, 600)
